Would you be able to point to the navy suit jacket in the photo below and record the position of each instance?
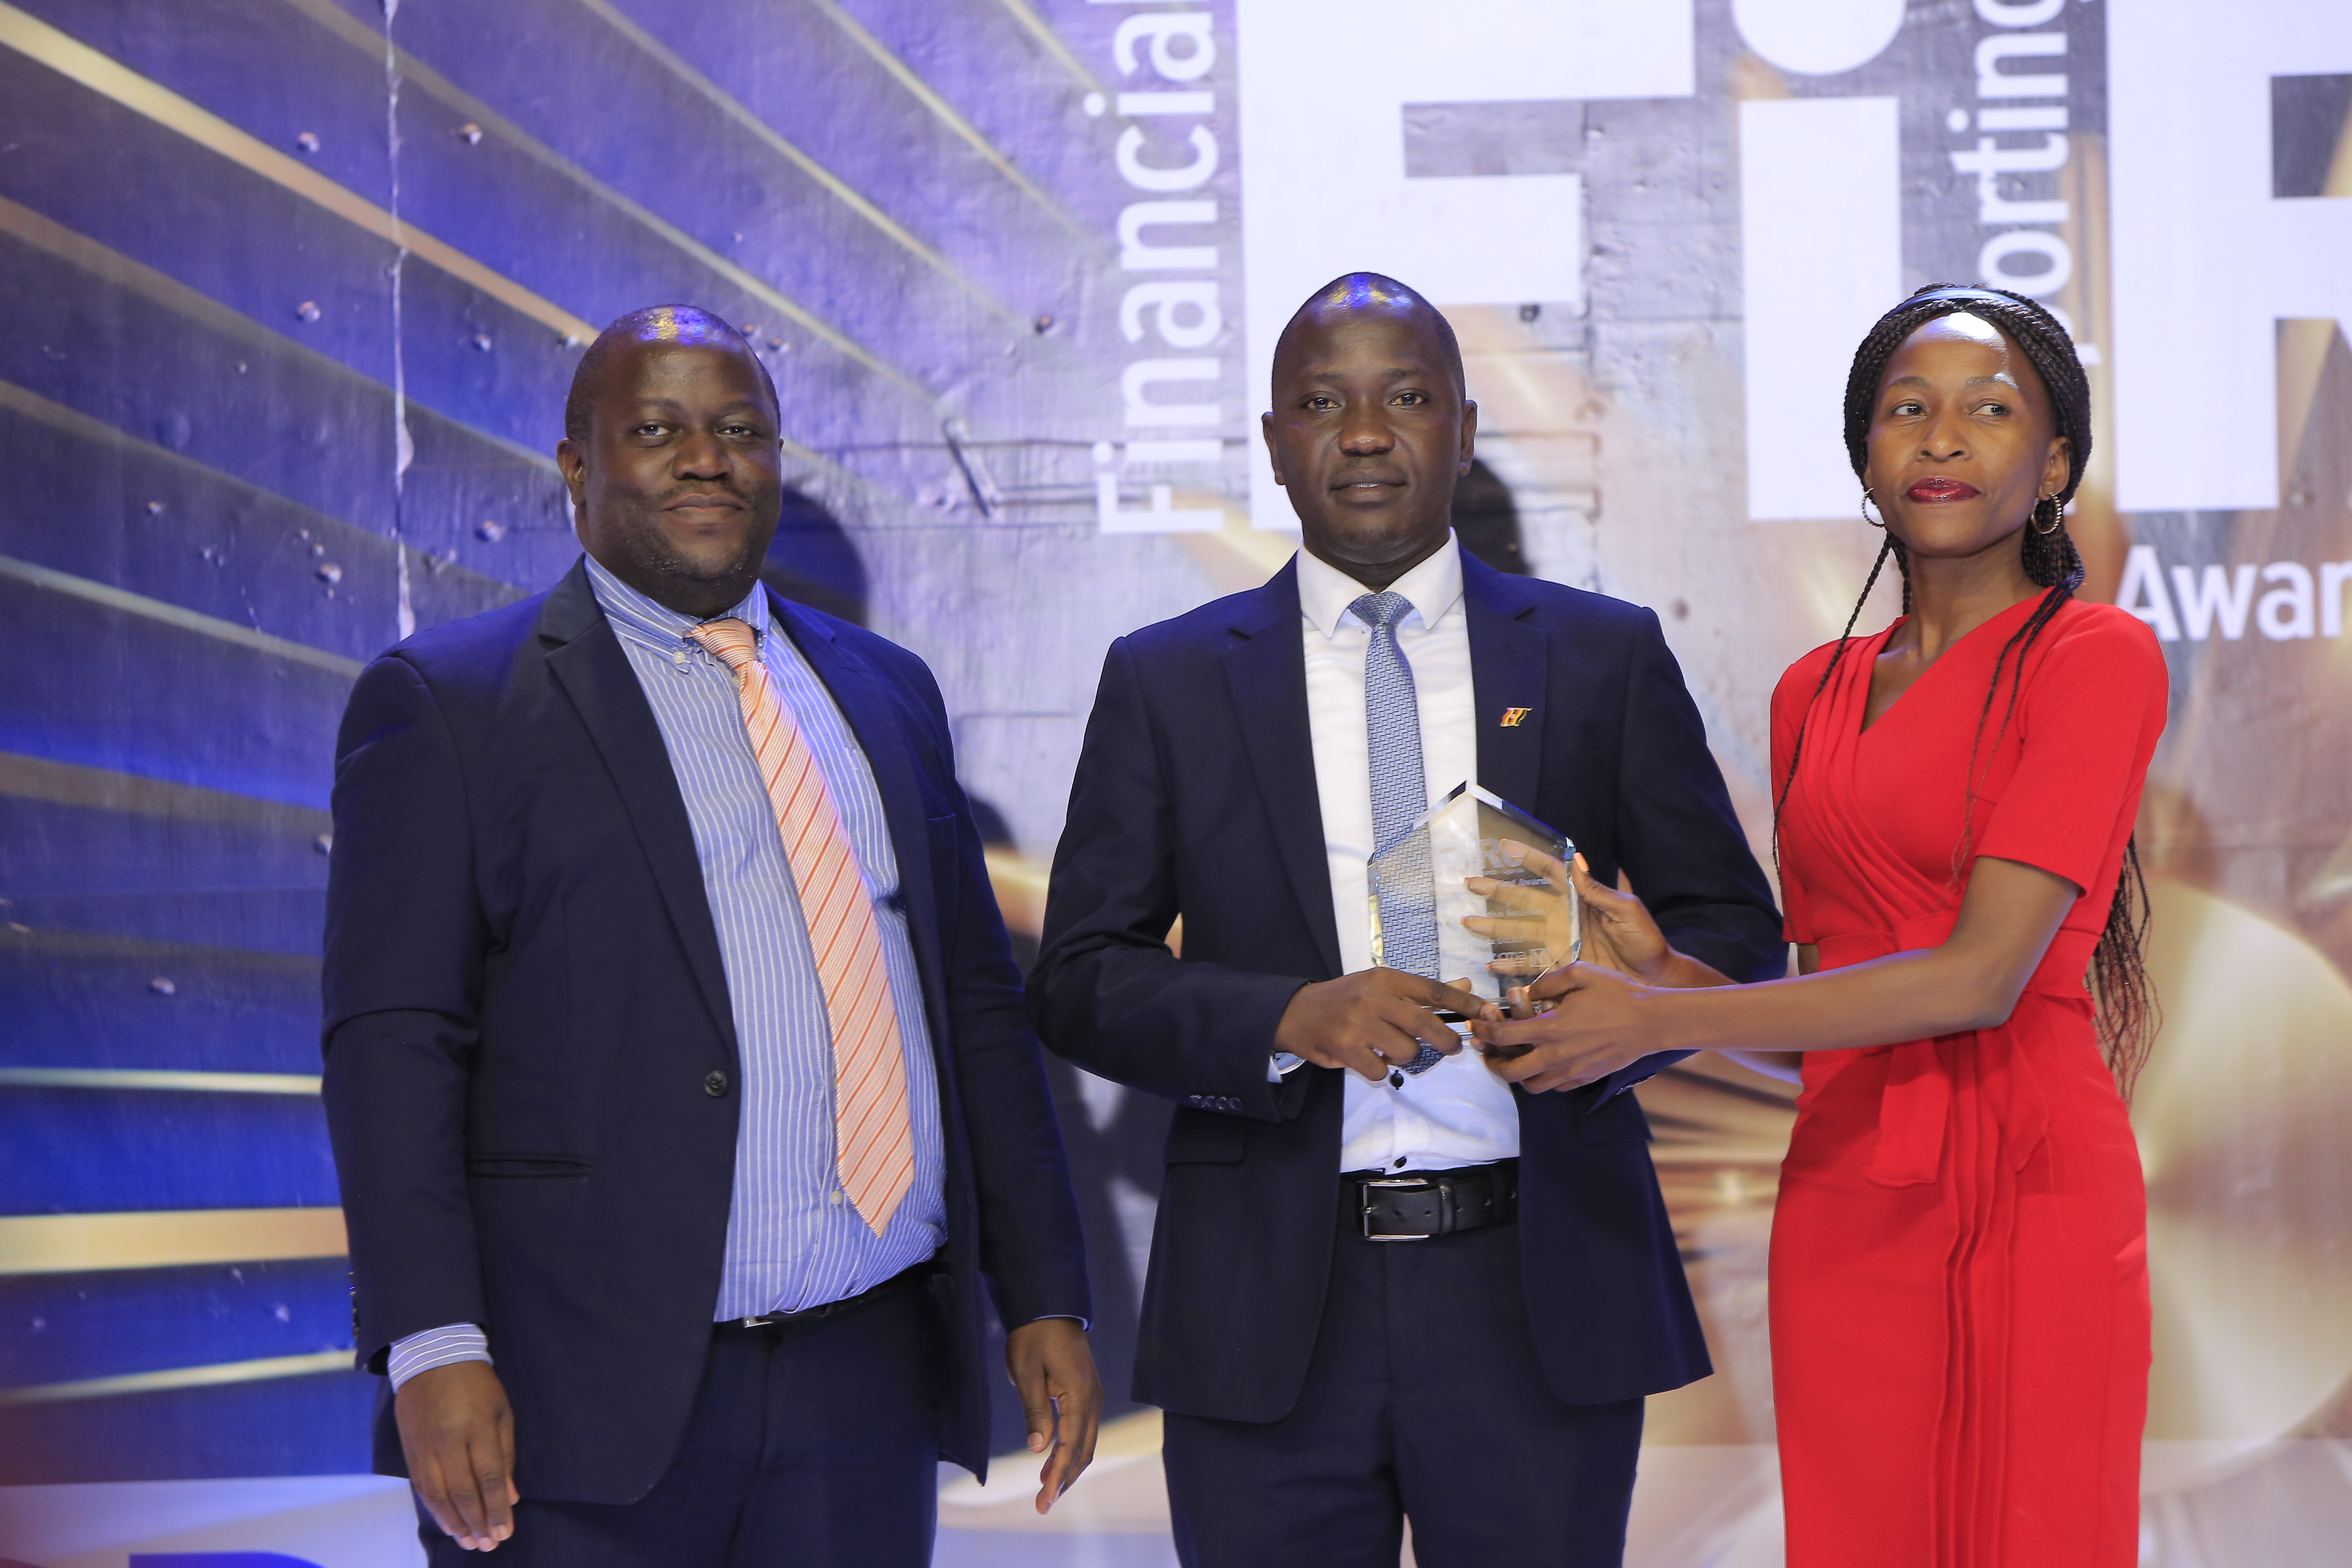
(525, 1008)
(1195, 795)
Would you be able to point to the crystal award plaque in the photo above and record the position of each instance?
(1478, 888)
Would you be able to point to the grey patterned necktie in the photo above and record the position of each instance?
(1400, 788)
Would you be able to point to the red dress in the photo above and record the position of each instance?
(1959, 1302)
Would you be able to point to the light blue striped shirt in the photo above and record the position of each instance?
(793, 1240)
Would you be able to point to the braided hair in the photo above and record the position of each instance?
(2126, 1000)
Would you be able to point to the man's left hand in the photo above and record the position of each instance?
(1054, 1371)
(1598, 1023)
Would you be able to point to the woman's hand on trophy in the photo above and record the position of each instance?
(1534, 916)
(1620, 935)
(1597, 1022)
(1618, 930)
(1539, 919)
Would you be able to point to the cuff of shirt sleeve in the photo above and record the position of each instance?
(436, 1347)
(1637, 1073)
(1281, 1065)
(1085, 1327)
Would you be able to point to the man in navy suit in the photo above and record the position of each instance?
(1386, 1281)
(675, 1064)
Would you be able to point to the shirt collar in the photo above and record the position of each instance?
(634, 614)
(1325, 592)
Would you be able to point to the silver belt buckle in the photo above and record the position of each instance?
(1444, 1206)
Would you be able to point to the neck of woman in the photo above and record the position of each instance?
(1953, 595)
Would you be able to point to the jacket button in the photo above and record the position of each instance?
(714, 1084)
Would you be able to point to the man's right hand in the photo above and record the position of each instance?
(457, 1431)
(1371, 1021)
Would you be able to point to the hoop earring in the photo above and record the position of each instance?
(1867, 499)
(2057, 515)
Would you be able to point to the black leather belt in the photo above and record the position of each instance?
(1420, 1205)
(890, 1287)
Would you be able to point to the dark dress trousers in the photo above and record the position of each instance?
(530, 1061)
(1196, 794)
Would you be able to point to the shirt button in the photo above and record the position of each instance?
(1396, 1080)
(714, 1084)
(837, 1197)
(1399, 1163)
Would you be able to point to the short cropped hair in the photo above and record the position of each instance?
(655, 323)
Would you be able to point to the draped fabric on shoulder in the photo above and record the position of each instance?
(1958, 1276)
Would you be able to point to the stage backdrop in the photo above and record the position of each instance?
(293, 289)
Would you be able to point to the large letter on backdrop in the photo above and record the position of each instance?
(2208, 255)
(1821, 246)
(1324, 190)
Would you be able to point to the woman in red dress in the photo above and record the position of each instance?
(1959, 1306)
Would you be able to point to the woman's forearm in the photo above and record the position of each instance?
(1602, 1019)
(1789, 1066)
(1681, 971)
(1971, 981)
(1912, 996)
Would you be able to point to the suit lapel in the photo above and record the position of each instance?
(585, 656)
(1266, 671)
(1510, 666)
(873, 712)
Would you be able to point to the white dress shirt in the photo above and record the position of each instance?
(1457, 1113)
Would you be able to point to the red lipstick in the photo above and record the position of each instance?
(1941, 488)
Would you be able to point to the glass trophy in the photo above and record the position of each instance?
(1476, 889)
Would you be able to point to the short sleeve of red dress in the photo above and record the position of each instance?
(1790, 699)
(2087, 720)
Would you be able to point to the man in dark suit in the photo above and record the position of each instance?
(1386, 1281)
(675, 1063)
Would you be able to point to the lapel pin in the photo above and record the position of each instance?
(1512, 716)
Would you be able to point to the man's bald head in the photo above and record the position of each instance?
(672, 457)
(682, 324)
(1370, 427)
(1357, 294)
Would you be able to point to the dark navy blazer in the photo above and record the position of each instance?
(1195, 795)
(530, 1061)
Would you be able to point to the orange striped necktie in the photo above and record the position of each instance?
(874, 1140)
